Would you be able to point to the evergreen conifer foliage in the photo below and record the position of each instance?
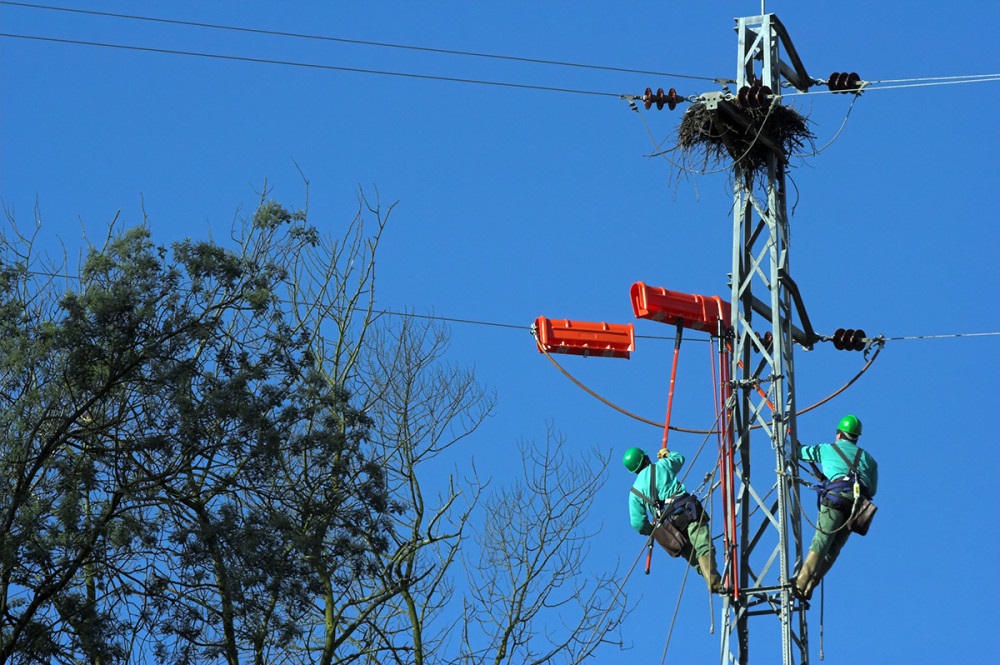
(174, 469)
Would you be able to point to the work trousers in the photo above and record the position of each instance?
(699, 542)
(828, 544)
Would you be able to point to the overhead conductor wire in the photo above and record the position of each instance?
(360, 42)
(984, 78)
(929, 81)
(925, 81)
(519, 327)
(413, 75)
(614, 406)
(290, 63)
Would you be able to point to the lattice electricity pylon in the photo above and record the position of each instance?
(761, 404)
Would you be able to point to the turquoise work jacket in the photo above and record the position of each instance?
(666, 484)
(835, 467)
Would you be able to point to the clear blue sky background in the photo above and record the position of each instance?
(515, 203)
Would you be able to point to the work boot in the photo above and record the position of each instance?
(710, 573)
(821, 569)
(808, 575)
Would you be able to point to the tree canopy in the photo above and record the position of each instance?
(215, 454)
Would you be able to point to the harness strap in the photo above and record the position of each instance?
(854, 467)
(653, 491)
(645, 498)
(655, 504)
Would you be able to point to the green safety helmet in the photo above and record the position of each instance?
(851, 426)
(634, 458)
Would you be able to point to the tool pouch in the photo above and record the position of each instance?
(862, 516)
(670, 538)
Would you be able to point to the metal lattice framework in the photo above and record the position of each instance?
(767, 525)
(763, 533)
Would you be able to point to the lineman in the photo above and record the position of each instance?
(836, 498)
(683, 525)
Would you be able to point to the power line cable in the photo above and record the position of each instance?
(877, 85)
(697, 431)
(290, 63)
(524, 328)
(929, 80)
(356, 41)
(938, 78)
(995, 77)
(984, 334)
(453, 320)
(512, 326)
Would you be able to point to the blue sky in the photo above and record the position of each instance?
(515, 203)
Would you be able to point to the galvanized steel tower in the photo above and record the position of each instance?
(765, 526)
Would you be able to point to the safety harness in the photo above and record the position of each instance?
(681, 509)
(840, 493)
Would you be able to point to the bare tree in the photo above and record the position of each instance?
(529, 600)
(420, 407)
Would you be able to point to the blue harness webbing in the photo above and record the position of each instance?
(838, 493)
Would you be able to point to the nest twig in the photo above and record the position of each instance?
(712, 138)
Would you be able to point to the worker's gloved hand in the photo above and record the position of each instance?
(661, 453)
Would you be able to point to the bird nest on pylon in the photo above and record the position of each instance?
(708, 139)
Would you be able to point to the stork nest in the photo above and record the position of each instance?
(712, 138)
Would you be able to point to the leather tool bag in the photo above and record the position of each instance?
(670, 538)
(861, 517)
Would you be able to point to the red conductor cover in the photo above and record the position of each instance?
(697, 312)
(583, 338)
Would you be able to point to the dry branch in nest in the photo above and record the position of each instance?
(713, 138)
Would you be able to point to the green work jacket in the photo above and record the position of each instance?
(834, 466)
(666, 484)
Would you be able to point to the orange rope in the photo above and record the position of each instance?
(701, 431)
